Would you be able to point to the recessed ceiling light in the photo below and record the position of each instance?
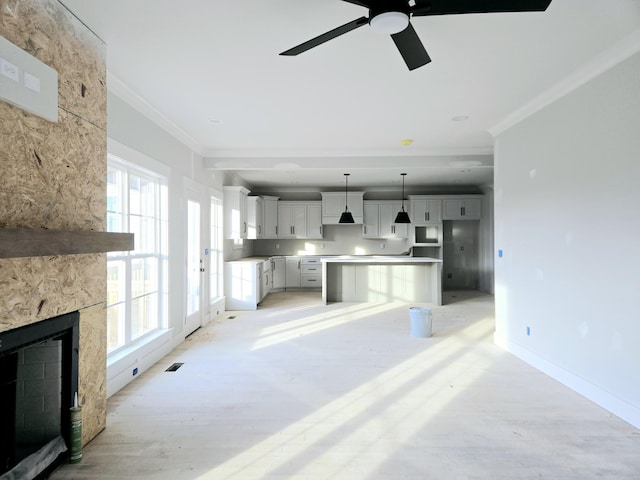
(460, 118)
(215, 121)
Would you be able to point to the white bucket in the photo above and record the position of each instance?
(420, 321)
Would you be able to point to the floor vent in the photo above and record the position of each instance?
(174, 367)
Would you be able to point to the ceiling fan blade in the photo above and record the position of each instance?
(411, 48)
(362, 3)
(449, 7)
(325, 37)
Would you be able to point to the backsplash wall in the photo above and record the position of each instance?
(337, 240)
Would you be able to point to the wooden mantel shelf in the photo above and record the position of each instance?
(39, 242)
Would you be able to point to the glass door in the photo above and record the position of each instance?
(194, 265)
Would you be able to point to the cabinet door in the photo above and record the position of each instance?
(425, 211)
(386, 215)
(235, 212)
(278, 270)
(270, 218)
(293, 272)
(285, 224)
(254, 217)
(370, 227)
(299, 220)
(314, 221)
(462, 209)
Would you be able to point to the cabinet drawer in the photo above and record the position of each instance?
(310, 269)
(310, 261)
(310, 281)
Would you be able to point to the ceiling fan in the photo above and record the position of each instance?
(392, 17)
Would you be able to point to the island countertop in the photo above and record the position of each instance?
(399, 259)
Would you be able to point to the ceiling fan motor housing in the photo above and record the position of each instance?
(389, 17)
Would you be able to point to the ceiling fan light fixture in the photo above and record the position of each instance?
(389, 22)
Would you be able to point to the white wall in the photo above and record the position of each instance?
(132, 130)
(567, 210)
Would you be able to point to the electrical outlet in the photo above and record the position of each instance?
(277, 246)
(382, 246)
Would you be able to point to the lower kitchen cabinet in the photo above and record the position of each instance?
(292, 272)
(243, 285)
(278, 273)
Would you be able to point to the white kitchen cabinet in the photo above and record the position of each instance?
(425, 210)
(314, 220)
(292, 220)
(278, 273)
(292, 272)
(242, 284)
(266, 279)
(379, 219)
(333, 204)
(235, 212)
(270, 217)
(310, 272)
(255, 216)
(462, 208)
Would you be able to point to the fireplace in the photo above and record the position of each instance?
(38, 382)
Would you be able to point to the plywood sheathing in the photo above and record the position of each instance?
(54, 177)
(92, 368)
(49, 32)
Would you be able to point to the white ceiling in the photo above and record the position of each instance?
(211, 69)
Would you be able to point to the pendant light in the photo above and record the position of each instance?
(402, 217)
(346, 216)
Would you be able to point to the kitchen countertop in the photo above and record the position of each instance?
(380, 259)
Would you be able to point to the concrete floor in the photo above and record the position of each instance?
(297, 390)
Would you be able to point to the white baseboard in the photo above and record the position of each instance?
(616, 405)
(139, 357)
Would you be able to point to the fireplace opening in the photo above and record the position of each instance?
(38, 381)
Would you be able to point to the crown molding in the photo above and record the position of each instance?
(621, 51)
(122, 90)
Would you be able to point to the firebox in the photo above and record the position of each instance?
(38, 382)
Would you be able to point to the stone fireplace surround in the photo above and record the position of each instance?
(54, 178)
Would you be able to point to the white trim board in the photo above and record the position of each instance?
(598, 65)
(616, 405)
(120, 89)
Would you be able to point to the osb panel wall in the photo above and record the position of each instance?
(54, 177)
(92, 394)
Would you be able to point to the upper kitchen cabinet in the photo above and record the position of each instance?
(270, 217)
(379, 219)
(299, 220)
(425, 209)
(314, 220)
(333, 204)
(255, 217)
(235, 212)
(292, 220)
(462, 208)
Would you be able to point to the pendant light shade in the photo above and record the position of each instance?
(346, 216)
(402, 217)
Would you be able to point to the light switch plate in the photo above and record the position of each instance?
(26, 82)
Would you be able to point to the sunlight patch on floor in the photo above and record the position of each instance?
(397, 403)
(286, 331)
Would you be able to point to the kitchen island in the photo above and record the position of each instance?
(382, 279)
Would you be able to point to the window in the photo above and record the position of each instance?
(216, 255)
(136, 280)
